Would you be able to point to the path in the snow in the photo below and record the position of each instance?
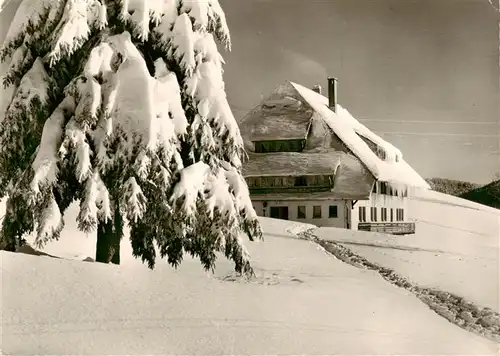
(459, 311)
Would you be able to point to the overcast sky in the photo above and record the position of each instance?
(423, 60)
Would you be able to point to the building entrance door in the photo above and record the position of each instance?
(279, 212)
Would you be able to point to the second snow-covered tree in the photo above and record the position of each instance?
(121, 104)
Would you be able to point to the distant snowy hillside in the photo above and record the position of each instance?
(302, 301)
(451, 186)
(488, 195)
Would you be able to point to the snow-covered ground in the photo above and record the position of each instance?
(455, 248)
(302, 301)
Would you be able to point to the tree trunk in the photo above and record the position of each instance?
(8, 245)
(109, 236)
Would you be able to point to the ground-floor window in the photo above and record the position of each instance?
(373, 213)
(279, 212)
(362, 213)
(392, 214)
(333, 211)
(400, 214)
(383, 214)
(301, 212)
(317, 212)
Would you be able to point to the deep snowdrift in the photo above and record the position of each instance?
(302, 301)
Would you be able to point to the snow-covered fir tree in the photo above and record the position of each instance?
(120, 104)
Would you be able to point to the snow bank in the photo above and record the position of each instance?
(301, 302)
(392, 169)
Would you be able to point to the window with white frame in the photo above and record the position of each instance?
(400, 215)
(362, 214)
(383, 214)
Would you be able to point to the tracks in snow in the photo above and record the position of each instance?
(482, 321)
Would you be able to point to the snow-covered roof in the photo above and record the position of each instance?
(351, 179)
(393, 168)
(292, 163)
(284, 108)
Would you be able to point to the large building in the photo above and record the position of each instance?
(311, 161)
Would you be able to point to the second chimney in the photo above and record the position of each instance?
(332, 94)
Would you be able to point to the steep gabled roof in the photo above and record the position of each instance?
(392, 168)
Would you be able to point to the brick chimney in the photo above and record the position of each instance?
(332, 94)
(317, 88)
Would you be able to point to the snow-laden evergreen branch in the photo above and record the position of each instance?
(78, 19)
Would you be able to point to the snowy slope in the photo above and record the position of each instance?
(455, 248)
(445, 199)
(302, 302)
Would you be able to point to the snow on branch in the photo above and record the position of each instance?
(168, 100)
(141, 108)
(240, 190)
(183, 39)
(49, 222)
(76, 140)
(45, 163)
(30, 13)
(168, 19)
(34, 84)
(219, 196)
(133, 200)
(87, 217)
(88, 95)
(208, 16)
(21, 114)
(190, 186)
(95, 206)
(79, 17)
(208, 91)
(133, 110)
(21, 58)
(99, 62)
(140, 15)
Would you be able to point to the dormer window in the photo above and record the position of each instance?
(301, 181)
(379, 151)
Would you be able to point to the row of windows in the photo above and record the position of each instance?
(332, 212)
(383, 214)
(281, 212)
(279, 146)
(289, 182)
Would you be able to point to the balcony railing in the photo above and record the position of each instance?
(398, 228)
